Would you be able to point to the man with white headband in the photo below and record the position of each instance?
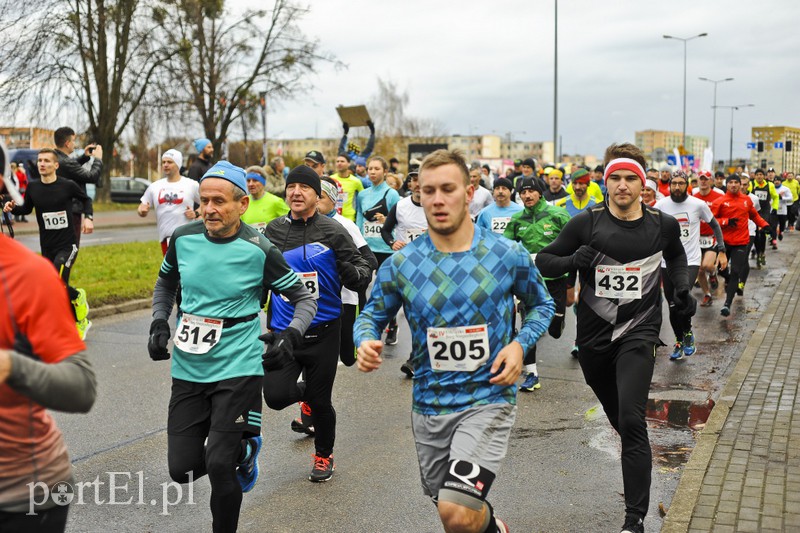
(617, 248)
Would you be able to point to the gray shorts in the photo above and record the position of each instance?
(478, 435)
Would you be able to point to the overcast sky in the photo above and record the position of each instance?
(484, 67)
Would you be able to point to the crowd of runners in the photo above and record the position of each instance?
(482, 264)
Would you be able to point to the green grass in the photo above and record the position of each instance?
(113, 206)
(116, 273)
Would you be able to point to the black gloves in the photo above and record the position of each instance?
(346, 127)
(584, 256)
(280, 348)
(732, 222)
(371, 126)
(159, 337)
(348, 273)
(685, 304)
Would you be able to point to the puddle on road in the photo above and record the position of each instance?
(678, 413)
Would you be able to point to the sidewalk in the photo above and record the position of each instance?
(102, 220)
(744, 472)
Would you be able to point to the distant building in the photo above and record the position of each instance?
(33, 138)
(779, 158)
(657, 144)
(474, 146)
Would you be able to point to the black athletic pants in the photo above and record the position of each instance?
(53, 520)
(347, 347)
(558, 290)
(737, 263)
(620, 378)
(745, 273)
(318, 358)
(680, 322)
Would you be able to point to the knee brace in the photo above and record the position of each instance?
(466, 484)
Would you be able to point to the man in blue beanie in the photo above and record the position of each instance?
(201, 164)
(224, 268)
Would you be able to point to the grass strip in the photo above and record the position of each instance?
(116, 273)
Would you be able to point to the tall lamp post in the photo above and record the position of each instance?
(684, 40)
(714, 127)
(733, 108)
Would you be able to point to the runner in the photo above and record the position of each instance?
(173, 197)
(350, 187)
(579, 200)
(372, 208)
(326, 258)
(53, 197)
(351, 303)
(535, 227)
(456, 285)
(733, 211)
(482, 197)
(710, 260)
(201, 164)
(51, 372)
(496, 217)
(782, 213)
(555, 187)
(407, 221)
(689, 212)
(214, 420)
(75, 170)
(617, 248)
(264, 206)
(768, 201)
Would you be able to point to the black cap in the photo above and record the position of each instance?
(599, 168)
(315, 156)
(517, 162)
(530, 183)
(529, 162)
(733, 177)
(394, 160)
(503, 182)
(306, 175)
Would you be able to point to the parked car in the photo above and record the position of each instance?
(128, 190)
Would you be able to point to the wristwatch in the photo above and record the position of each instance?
(90, 217)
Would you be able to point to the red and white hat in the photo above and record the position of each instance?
(623, 163)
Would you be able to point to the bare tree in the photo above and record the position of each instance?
(224, 61)
(101, 55)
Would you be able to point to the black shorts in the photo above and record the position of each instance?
(230, 405)
(571, 278)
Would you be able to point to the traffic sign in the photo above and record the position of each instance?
(751, 146)
(778, 145)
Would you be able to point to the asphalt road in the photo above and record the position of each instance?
(101, 236)
(562, 472)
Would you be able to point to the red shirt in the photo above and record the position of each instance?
(712, 195)
(740, 207)
(31, 446)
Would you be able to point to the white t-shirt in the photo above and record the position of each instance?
(481, 199)
(348, 296)
(751, 226)
(688, 213)
(786, 199)
(169, 201)
(411, 221)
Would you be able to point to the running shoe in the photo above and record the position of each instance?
(391, 335)
(322, 469)
(502, 527)
(304, 424)
(726, 310)
(688, 344)
(763, 259)
(677, 352)
(574, 351)
(83, 328)
(633, 525)
(740, 288)
(713, 281)
(247, 470)
(407, 369)
(706, 301)
(81, 306)
(531, 383)
(774, 243)
(780, 236)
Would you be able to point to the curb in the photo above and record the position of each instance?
(684, 501)
(34, 230)
(125, 307)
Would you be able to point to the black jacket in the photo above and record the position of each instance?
(73, 170)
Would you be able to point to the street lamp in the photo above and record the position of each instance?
(714, 127)
(685, 40)
(733, 108)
